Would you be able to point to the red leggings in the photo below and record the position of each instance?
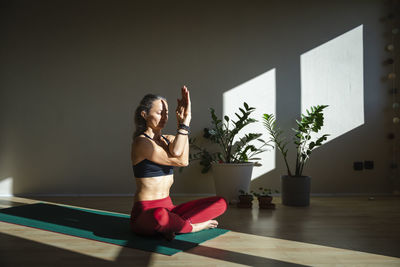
(152, 216)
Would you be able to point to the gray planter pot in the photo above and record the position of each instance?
(295, 190)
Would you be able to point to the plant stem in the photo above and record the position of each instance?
(275, 140)
(302, 162)
(283, 154)
(297, 158)
(221, 139)
(287, 166)
(228, 146)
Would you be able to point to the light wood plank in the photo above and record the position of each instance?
(346, 231)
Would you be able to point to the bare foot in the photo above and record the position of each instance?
(204, 225)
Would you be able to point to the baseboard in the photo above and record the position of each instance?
(101, 195)
(350, 194)
(190, 195)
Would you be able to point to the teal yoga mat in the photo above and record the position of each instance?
(101, 226)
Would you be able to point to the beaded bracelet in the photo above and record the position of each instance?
(184, 127)
(182, 133)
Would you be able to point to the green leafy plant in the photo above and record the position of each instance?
(312, 122)
(244, 193)
(262, 192)
(223, 133)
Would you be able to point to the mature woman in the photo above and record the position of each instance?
(153, 157)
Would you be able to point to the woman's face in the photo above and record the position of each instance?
(158, 115)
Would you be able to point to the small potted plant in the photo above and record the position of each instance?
(245, 199)
(233, 162)
(264, 198)
(295, 186)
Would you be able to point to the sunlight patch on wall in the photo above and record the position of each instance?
(259, 92)
(6, 187)
(332, 74)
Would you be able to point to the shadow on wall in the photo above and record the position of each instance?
(331, 74)
(83, 68)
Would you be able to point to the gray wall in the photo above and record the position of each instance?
(72, 73)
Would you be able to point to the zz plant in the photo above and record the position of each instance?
(223, 133)
(312, 122)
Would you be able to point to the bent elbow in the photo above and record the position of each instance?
(184, 164)
(176, 154)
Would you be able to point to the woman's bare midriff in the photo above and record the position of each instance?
(153, 188)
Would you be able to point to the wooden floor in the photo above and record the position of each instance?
(333, 231)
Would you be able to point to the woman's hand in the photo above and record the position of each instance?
(183, 110)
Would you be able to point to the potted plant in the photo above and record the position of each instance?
(232, 163)
(245, 199)
(296, 186)
(264, 196)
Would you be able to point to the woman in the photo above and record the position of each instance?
(153, 157)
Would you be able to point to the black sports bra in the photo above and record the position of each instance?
(148, 168)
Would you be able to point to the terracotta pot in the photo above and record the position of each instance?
(264, 202)
(245, 201)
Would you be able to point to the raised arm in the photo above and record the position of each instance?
(143, 148)
(180, 145)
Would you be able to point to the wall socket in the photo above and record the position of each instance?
(367, 164)
(358, 166)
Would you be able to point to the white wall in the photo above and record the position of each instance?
(72, 72)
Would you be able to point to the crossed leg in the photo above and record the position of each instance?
(188, 217)
(200, 212)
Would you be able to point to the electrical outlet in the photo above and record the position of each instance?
(358, 166)
(369, 164)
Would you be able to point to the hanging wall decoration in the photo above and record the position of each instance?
(392, 79)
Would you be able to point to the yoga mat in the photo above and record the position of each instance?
(101, 226)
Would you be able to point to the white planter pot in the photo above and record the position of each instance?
(229, 178)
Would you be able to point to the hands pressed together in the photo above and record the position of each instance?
(183, 110)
